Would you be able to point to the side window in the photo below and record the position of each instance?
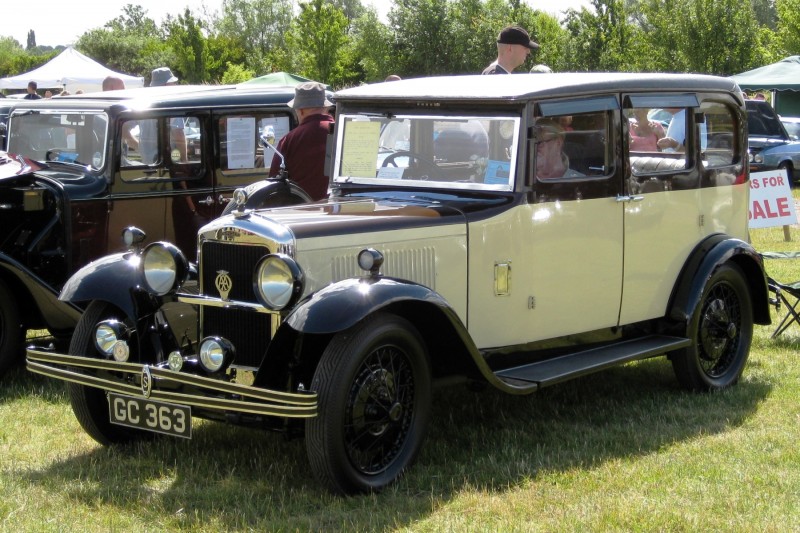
(720, 123)
(572, 146)
(240, 150)
(165, 141)
(656, 140)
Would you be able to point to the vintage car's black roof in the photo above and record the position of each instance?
(176, 96)
(525, 86)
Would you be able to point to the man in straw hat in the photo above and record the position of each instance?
(304, 147)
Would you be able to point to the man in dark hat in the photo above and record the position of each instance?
(513, 47)
(304, 147)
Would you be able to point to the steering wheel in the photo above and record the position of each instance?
(424, 169)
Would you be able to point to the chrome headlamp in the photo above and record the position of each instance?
(278, 281)
(164, 268)
(216, 353)
(111, 338)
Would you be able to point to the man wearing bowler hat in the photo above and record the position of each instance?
(513, 47)
(304, 147)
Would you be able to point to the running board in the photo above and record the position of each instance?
(570, 366)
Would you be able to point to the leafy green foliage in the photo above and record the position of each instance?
(343, 43)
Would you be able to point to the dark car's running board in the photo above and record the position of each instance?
(565, 367)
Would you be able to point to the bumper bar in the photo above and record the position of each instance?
(241, 398)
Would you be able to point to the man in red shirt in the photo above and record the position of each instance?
(304, 147)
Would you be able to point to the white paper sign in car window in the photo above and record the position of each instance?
(360, 148)
(241, 145)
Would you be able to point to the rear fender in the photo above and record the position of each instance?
(704, 261)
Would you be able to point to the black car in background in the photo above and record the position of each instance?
(164, 159)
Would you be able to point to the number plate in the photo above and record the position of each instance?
(160, 417)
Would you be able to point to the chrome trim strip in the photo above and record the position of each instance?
(284, 404)
(227, 304)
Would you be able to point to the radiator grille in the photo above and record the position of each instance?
(238, 260)
(249, 332)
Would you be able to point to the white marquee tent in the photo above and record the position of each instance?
(70, 70)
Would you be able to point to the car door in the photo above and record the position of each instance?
(561, 253)
(663, 215)
(164, 177)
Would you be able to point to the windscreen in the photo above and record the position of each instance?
(72, 137)
(466, 151)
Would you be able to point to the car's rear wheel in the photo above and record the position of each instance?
(12, 332)
(721, 330)
(787, 165)
(89, 404)
(374, 387)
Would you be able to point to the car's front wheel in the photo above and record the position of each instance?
(374, 387)
(11, 331)
(721, 330)
(89, 404)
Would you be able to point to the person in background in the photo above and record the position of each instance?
(304, 147)
(32, 94)
(113, 83)
(645, 133)
(148, 128)
(541, 69)
(48, 93)
(514, 45)
(392, 77)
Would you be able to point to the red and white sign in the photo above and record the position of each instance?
(771, 201)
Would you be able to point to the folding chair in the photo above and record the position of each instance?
(784, 291)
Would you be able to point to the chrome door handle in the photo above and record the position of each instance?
(621, 199)
(207, 201)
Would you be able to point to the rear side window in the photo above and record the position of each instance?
(163, 141)
(240, 149)
(722, 146)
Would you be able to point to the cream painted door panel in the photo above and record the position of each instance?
(660, 232)
(565, 262)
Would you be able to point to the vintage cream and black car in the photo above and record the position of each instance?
(442, 255)
(165, 159)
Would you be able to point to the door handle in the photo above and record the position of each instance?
(207, 201)
(621, 199)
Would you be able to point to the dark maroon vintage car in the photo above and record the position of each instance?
(164, 159)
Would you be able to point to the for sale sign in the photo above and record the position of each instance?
(771, 201)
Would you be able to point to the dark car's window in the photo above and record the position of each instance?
(164, 141)
(76, 137)
(763, 121)
(240, 151)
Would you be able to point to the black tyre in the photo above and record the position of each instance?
(789, 170)
(12, 332)
(721, 330)
(89, 404)
(374, 386)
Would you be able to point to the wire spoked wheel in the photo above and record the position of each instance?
(721, 330)
(374, 390)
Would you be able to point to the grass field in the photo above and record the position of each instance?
(624, 450)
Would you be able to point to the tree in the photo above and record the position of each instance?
(371, 49)
(185, 37)
(319, 36)
(600, 37)
(789, 26)
(260, 26)
(31, 40)
(423, 39)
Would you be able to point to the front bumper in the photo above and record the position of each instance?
(165, 385)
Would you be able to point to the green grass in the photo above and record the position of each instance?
(623, 450)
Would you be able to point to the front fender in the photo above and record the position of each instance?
(341, 305)
(113, 279)
(33, 292)
(704, 261)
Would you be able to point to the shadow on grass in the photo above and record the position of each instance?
(18, 382)
(232, 478)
